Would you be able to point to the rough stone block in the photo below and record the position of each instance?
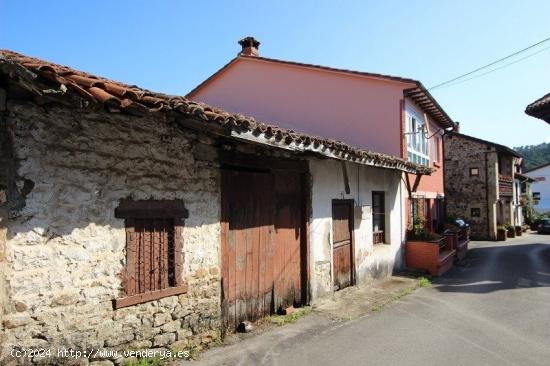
(161, 318)
(164, 339)
(171, 326)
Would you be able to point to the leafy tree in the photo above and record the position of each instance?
(534, 155)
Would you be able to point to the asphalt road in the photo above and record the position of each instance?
(493, 310)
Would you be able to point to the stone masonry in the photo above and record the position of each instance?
(61, 248)
(464, 191)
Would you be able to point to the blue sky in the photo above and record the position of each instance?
(171, 46)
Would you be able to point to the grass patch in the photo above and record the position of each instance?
(421, 282)
(404, 292)
(292, 317)
(146, 362)
(424, 282)
(193, 350)
(376, 308)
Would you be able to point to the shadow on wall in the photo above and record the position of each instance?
(499, 268)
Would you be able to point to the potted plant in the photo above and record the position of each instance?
(511, 231)
(501, 233)
(518, 230)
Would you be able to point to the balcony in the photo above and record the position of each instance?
(505, 185)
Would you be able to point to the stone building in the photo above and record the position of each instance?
(136, 220)
(481, 184)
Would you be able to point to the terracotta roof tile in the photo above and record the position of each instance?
(137, 101)
(540, 108)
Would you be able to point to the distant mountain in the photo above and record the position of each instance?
(535, 155)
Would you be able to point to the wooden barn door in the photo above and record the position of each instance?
(342, 243)
(261, 244)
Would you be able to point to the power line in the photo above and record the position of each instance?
(490, 64)
(496, 69)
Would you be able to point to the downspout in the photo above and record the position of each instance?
(443, 138)
(487, 193)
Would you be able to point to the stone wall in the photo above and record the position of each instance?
(465, 192)
(64, 250)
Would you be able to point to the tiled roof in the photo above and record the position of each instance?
(419, 94)
(540, 108)
(525, 177)
(51, 82)
(498, 147)
(537, 167)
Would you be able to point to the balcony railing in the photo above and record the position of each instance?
(505, 185)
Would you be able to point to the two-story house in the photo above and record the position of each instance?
(482, 183)
(169, 221)
(388, 114)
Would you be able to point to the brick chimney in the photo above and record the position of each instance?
(249, 46)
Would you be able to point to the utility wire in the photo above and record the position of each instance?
(496, 69)
(490, 64)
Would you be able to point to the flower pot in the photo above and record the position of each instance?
(512, 233)
(432, 256)
(518, 230)
(501, 235)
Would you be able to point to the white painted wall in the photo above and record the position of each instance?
(371, 261)
(542, 185)
(518, 212)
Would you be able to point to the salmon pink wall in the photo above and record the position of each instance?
(431, 186)
(361, 111)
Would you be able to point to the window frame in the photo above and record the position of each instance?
(383, 205)
(130, 210)
(418, 145)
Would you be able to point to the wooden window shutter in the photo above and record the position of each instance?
(154, 257)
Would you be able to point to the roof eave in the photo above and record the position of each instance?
(429, 105)
(328, 152)
(211, 78)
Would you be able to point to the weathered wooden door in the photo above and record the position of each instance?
(261, 244)
(342, 243)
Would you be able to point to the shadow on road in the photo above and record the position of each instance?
(496, 268)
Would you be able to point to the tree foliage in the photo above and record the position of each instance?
(534, 155)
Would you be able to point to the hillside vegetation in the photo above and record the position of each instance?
(535, 155)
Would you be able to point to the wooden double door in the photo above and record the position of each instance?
(263, 243)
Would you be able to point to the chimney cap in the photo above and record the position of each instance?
(249, 42)
(249, 46)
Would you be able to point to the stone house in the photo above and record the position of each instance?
(482, 184)
(131, 219)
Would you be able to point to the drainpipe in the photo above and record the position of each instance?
(487, 192)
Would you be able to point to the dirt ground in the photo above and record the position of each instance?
(347, 304)
(356, 301)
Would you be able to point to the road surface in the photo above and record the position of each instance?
(493, 310)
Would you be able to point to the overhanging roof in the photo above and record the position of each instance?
(540, 108)
(53, 83)
(498, 147)
(419, 94)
